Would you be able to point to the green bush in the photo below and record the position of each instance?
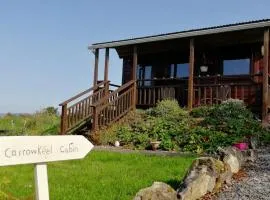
(202, 111)
(233, 118)
(168, 109)
(222, 125)
(200, 139)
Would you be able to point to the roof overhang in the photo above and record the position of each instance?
(184, 34)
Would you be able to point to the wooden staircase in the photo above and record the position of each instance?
(97, 107)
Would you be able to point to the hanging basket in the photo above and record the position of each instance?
(204, 68)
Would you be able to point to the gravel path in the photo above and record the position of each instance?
(257, 184)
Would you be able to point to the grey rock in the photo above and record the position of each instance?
(158, 191)
(201, 178)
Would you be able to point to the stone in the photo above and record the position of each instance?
(198, 188)
(233, 157)
(250, 155)
(253, 142)
(233, 162)
(201, 178)
(158, 191)
(226, 175)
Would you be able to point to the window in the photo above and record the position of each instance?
(182, 70)
(147, 75)
(144, 72)
(236, 67)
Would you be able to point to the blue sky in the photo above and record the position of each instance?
(43, 43)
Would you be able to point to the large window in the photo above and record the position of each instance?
(144, 72)
(236, 67)
(182, 70)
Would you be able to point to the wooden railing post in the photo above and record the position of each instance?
(265, 76)
(96, 67)
(134, 70)
(95, 119)
(64, 119)
(191, 71)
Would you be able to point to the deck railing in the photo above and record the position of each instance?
(159, 89)
(78, 108)
(207, 89)
(216, 93)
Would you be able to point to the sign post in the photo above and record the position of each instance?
(38, 150)
(41, 182)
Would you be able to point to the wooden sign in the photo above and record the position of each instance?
(15, 150)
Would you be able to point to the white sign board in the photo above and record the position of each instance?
(15, 150)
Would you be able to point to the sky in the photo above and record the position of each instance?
(44, 58)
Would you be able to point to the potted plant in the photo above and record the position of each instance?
(155, 142)
(241, 144)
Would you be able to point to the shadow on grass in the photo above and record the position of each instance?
(174, 183)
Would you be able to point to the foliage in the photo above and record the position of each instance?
(99, 171)
(200, 139)
(50, 110)
(162, 123)
(176, 129)
(202, 111)
(43, 122)
(168, 109)
(234, 118)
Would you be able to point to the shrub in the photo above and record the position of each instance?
(200, 139)
(223, 125)
(202, 111)
(50, 110)
(168, 109)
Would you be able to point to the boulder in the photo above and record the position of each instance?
(158, 191)
(201, 178)
(233, 162)
(233, 157)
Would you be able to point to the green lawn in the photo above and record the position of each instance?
(101, 175)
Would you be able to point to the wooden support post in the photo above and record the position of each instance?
(134, 70)
(96, 67)
(95, 119)
(191, 71)
(106, 70)
(265, 76)
(64, 119)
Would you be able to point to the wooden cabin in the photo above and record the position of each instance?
(196, 67)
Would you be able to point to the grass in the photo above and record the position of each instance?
(100, 176)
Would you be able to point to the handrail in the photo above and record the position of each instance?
(224, 84)
(114, 85)
(114, 106)
(113, 93)
(83, 93)
(202, 77)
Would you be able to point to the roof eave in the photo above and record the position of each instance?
(195, 33)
